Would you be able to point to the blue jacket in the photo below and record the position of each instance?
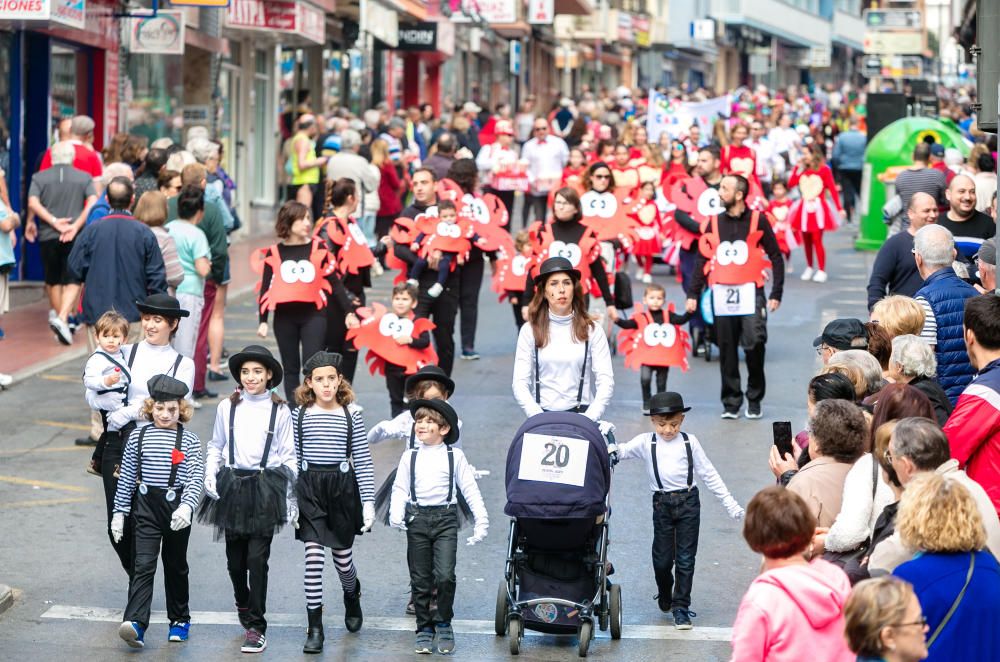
(119, 262)
(849, 151)
(100, 209)
(946, 293)
(971, 633)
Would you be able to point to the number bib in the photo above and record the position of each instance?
(731, 300)
(552, 459)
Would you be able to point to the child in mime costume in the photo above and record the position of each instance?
(160, 485)
(335, 489)
(250, 477)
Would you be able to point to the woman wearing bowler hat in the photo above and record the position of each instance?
(160, 315)
(562, 362)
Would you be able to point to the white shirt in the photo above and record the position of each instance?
(768, 161)
(784, 140)
(253, 416)
(545, 162)
(560, 364)
(494, 158)
(97, 368)
(856, 519)
(671, 460)
(400, 428)
(150, 360)
(431, 483)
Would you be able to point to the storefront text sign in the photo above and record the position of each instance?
(491, 11)
(288, 17)
(418, 37)
(201, 3)
(163, 33)
(541, 12)
(72, 13)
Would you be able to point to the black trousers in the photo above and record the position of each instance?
(431, 545)
(686, 262)
(336, 341)
(246, 560)
(507, 198)
(151, 514)
(534, 208)
(646, 374)
(850, 183)
(297, 325)
(676, 520)
(518, 318)
(468, 295)
(110, 463)
(395, 381)
(750, 333)
(442, 312)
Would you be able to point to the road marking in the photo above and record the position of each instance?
(41, 502)
(67, 426)
(384, 623)
(53, 449)
(14, 480)
(61, 378)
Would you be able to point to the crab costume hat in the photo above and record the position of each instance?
(658, 345)
(301, 281)
(378, 331)
(354, 253)
(734, 262)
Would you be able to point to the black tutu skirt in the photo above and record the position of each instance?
(384, 495)
(251, 503)
(329, 506)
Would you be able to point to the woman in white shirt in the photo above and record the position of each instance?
(562, 361)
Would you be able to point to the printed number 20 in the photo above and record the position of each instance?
(733, 297)
(556, 454)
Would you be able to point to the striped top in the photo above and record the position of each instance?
(324, 441)
(926, 180)
(157, 453)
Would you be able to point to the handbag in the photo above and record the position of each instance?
(958, 601)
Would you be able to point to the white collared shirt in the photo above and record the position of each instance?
(545, 160)
(431, 482)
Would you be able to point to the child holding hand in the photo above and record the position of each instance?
(106, 376)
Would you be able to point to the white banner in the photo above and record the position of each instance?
(676, 117)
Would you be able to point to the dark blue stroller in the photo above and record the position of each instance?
(558, 479)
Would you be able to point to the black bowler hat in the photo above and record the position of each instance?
(322, 359)
(443, 408)
(164, 388)
(667, 403)
(839, 333)
(434, 374)
(555, 265)
(163, 305)
(261, 355)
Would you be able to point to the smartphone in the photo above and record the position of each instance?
(782, 431)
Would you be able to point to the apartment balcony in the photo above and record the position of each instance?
(794, 21)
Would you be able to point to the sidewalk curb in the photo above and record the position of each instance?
(6, 597)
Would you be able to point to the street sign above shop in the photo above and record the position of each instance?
(200, 3)
(491, 11)
(892, 19)
(162, 34)
(298, 18)
(541, 12)
(893, 43)
(71, 13)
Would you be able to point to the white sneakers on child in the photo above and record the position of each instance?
(435, 290)
(819, 276)
(807, 274)
(647, 279)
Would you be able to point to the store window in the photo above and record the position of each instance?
(68, 83)
(6, 110)
(262, 130)
(154, 93)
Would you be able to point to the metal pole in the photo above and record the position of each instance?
(362, 45)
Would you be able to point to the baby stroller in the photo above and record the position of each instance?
(558, 478)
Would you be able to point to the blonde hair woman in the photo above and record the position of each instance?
(898, 315)
(884, 621)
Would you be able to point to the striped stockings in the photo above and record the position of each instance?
(343, 561)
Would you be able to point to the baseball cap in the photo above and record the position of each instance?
(988, 252)
(937, 149)
(839, 333)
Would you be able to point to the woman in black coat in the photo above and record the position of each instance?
(912, 362)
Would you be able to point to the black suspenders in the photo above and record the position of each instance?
(583, 375)
(173, 465)
(267, 441)
(131, 360)
(656, 467)
(413, 475)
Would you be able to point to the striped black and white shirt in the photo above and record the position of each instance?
(324, 441)
(157, 454)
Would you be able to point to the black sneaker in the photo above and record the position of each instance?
(730, 415)
(255, 642)
(425, 642)
(86, 441)
(214, 376)
(682, 618)
(753, 410)
(204, 393)
(470, 355)
(663, 603)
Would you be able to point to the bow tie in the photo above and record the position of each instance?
(541, 141)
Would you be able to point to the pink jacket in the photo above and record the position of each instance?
(793, 614)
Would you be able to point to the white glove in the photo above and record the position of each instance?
(181, 518)
(293, 514)
(401, 525)
(606, 427)
(367, 516)
(120, 417)
(118, 527)
(478, 534)
(734, 509)
(210, 486)
(479, 473)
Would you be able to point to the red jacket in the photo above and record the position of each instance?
(389, 191)
(973, 430)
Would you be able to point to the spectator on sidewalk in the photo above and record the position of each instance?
(848, 161)
(102, 207)
(912, 362)
(444, 155)
(156, 159)
(151, 209)
(943, 298)
(986, 180)
(986, 266)
(60, 198)
(85, 158)
(966, 223)
(920, 178)
(937, 161)
(169, 183)
(390, 188)
(895, 270)
(9, 222)
(194, 254)
(350, 164)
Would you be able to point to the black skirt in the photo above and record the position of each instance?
(384, 495)
(329, 506)
(252, 503)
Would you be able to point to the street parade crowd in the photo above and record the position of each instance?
(879, 538)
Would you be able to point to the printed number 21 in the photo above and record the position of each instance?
(556, 454)
(733, 297)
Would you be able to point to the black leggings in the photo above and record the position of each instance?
(336, 341)
(295, 325)
(646, 375)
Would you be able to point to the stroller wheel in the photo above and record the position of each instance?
(500, 620)
(516, 631)
(615, 603)
(586, 634)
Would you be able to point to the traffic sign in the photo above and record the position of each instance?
(892, 19)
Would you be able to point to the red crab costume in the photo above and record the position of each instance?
(787, 237)
(657, 345)
(734, 262)
(353, 254)
(377, 332)
(581, 254)
(607, 215)
(699, 201)
(812, 211)
(301, 281)
(510, 273)
(626, 180)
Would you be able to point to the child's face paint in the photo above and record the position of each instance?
(166, 414)
(254, 377)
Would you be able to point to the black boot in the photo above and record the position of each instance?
(353, 618)
(314, 635)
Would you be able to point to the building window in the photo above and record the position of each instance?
(154, 93)
(811, 6)
(852, 7)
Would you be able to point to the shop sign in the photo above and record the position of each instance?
(817, 57)
(196, 114)
(201, 3)
(894, 43)
(418, 37)
(625, 28)
(278, 16)
(702, 30)
(382, 23)
(490, 11)
(640, 26)
(892, 19)
(72, 13)
(161, 34)
(515, 58)
(541, 12)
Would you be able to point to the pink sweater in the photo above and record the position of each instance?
(793, 614)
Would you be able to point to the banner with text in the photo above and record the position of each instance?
(676, 117)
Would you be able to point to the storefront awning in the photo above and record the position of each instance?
(511, 30)
(290, 22)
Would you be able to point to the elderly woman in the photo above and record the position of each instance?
(151, 209)
(837, 432)
(913, 362)
(884, 622)
(794, 609)
(955, 579)
(562, 362)
(207, 153)
(868, 366)
(898, 315)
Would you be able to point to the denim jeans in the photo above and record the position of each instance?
(676, 520)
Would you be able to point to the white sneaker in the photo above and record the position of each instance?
(413, 282)
(5, 380)
(52, 314)
(435, 290)
(377, 269)
(819, 276)
(807, 274)
(638, 274)
(61, 329)
(647, 279)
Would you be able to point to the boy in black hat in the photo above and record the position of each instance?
(425, 504)
(672, 459)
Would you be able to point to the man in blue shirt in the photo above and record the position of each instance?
(848, 161)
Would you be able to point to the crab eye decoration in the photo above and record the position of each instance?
(391, 325)
(602, 205)
(709, 203)
(293, 271)
(659, 334)
(569, 251)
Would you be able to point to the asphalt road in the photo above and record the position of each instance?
(71, 589)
